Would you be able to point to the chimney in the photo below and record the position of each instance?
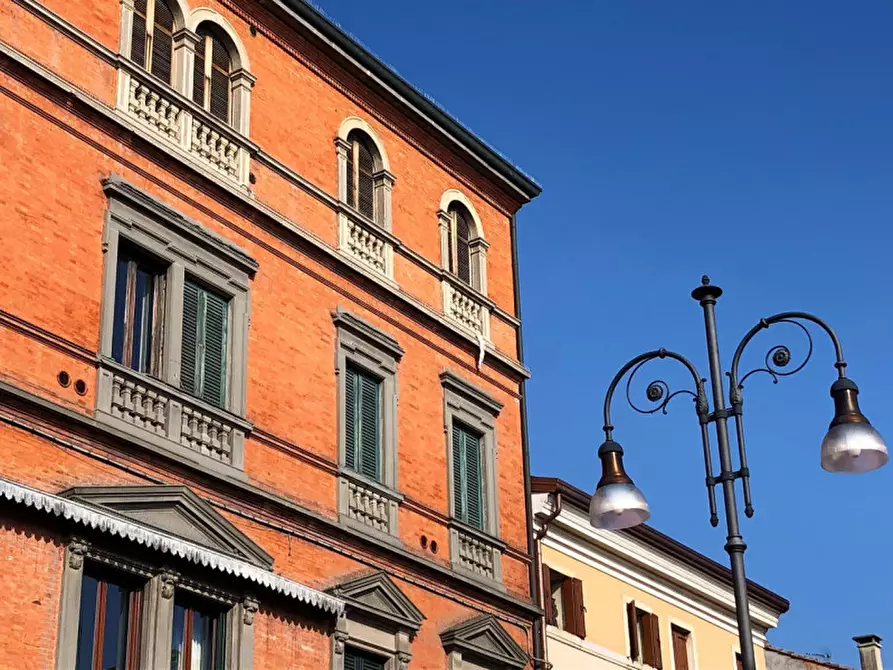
(869, 651)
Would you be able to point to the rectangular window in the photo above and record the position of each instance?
(354, 659)
(109, 623)
(203, 359)
(680, 648)
(362, 422)
(467, 484)
(644, 636)
(739, 665)
(564, 602)
(199, 636)
(139, 312)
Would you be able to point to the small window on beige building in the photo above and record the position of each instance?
(644, 636)
(680, 648)
(564, 602)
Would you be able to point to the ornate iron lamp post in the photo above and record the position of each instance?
(851, 444)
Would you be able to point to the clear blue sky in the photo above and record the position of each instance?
(749, 140)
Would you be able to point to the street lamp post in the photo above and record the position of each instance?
(851, 444)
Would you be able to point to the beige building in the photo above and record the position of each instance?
(635, 598)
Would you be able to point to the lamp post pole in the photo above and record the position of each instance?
(851, 444)
(735, 547)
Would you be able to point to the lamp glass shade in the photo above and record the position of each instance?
(616, 506)
(853, 447)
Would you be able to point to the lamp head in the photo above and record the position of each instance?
(617, 502)
(851, 444)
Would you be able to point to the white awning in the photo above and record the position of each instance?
(129, 529)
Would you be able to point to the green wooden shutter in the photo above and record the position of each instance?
(467, 477)
(350, 419)
(459, 505)
(473, 480)
(356, 660)
(189, 353)
(370, 391)
(363, 423)
(214, 373)
(203, 355)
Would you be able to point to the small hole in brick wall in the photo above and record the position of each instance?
(63, 378)
(433, 546)
(252, 178)
(424, 541)
(253, 31)
(80, 387)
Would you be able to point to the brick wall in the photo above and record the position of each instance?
(57, 147)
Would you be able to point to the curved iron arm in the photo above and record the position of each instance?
(655, 392)
(780, 356)
(659, 385)
(788, 317)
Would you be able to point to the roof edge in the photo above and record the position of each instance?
(664, 543)
(423, 105)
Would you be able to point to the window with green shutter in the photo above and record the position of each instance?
(467, 479)
(354, 659)
(203, 356)
(362, 422)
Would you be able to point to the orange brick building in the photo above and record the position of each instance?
(261, 386)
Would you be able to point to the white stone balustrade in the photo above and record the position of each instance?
(464, 309)
(151, 410)
(366, 245)
(368, 507)
(173, 117)
(477, 556)
(155, 110)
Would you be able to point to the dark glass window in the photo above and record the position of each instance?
(139, 307)
(199, 636)
(109, 623)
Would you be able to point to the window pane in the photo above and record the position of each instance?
(114, 634)
(144, 295)
(178, 651)
(86, 623)
(120, 308)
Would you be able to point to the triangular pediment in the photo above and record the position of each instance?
(178, 511)
(376, 595)
(484, 637)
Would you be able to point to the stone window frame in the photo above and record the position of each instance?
(358, 343)
(187, 249)
(383, 178)
(466, 403)
(478, 245)
(186, 40)
(157, 613)
(384, 624)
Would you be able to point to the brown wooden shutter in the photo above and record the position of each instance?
(577, 612)
(138, 35)
(547, 595)
(366, 181)
(680, 649)
(162, 41)
(652, 633)
(632, 630)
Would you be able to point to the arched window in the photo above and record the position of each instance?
(212, 88)
(152, 42)
(460, 238)
(360, 174)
